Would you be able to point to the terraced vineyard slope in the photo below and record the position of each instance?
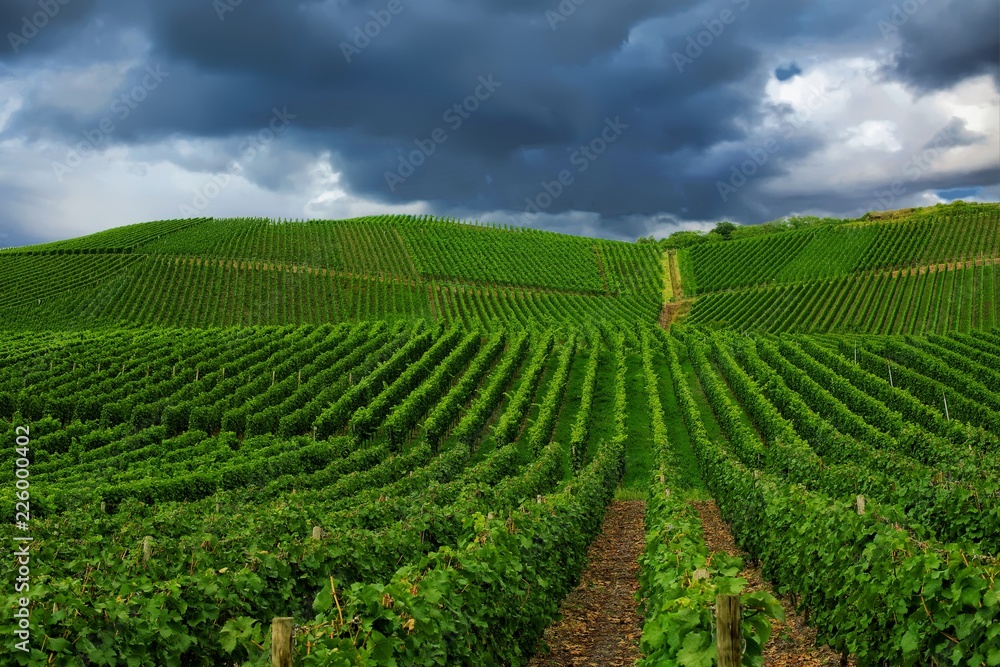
(931, 271)
(244, 272)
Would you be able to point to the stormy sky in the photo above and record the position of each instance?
(615, 119)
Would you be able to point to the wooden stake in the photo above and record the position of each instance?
(890, 374)
(861, 504)
(281, 642)
(663, 479)
(103, 506)
(317, 533)
(147, 549)
(300, 377)
(272, 377)
(729, 636)
(948, 416)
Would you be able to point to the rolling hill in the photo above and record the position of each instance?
(405, 434)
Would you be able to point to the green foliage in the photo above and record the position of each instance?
(229, 446)
(725, 229)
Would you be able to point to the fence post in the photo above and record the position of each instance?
(861, 504)
(729, 636)
(147, 548)
(281, 642)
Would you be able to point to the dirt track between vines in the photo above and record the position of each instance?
(792, 643)
(601, 625)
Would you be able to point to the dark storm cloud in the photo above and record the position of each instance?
(559, 72)
(787, 72)
(945, 42)
(30, 28)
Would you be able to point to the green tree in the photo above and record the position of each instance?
(725, 229)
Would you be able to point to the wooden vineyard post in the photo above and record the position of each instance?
(861, 504)
(272, 377)
(890, 374)
(729, 636)
(281, 642)
(147, 549)
(317, 533)
(945, 397)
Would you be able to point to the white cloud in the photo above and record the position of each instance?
(877, 134)
(880, 128)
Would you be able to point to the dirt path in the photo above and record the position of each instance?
(947, 266)
(601, 626)
(792, 643)
(600, 268)
(675, 275)
(674, 311)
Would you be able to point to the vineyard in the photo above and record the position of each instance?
(404, 434)
(962, 234)
(250, 272)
